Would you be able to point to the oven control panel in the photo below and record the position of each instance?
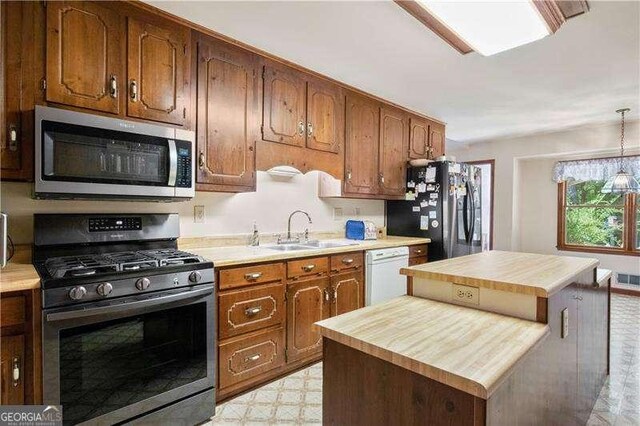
(103, 224)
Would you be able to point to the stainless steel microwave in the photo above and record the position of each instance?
(82, 155)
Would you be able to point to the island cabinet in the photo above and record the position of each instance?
(20, 356)
(228, 115)
(266, 313)
(426, 138)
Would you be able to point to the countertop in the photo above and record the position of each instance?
(19, 274)
(465, 348)
(238, 255)
(534, 274)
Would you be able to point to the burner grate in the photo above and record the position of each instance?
(78, 266)
(168, 257)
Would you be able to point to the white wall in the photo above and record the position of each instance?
(226, 214)
(525, 199)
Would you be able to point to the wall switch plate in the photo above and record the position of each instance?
(565, 322)
(466, 294)
(198, 214)
(337, 213)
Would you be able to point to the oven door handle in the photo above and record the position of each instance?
(122, 307)
(173, 162)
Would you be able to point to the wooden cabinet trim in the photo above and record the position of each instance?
(325, 116)
(392, 165)
(361, 146)
(284, 116)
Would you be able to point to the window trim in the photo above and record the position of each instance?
(628, 237)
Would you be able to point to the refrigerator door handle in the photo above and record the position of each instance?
(472, 197)
(465, 214)
(453, 217)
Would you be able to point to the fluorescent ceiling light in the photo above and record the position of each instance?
(490, 27)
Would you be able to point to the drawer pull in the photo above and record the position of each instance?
(347, 261)
(418, 251)
(326, 295)
(133, 91)
(113, 86)
(335, 295)
(308, 268)
(252, 277)
(252, 311)
(16, 371)
(252, 358)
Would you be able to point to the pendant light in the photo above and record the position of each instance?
(622, 182)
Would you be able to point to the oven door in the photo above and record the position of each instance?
(108, 362)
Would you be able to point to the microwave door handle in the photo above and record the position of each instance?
(130, 306)
(173, 162)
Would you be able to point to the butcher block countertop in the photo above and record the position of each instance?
(19, 274)
(239, 255)
(465, 348)
(534, 274)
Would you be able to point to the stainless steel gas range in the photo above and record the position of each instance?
(128, 320)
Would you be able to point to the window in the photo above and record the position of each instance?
(591, 221)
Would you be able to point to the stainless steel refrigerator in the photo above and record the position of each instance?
(442, 202)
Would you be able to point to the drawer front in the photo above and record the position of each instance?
(243, 359)
(418, 251)
(250, 275)
(308, 267)
(13, 311)
(347, 262)
(242, 311)
(417, 261)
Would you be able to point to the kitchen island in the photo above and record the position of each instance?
(495, 338)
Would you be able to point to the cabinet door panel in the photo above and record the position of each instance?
(228, 115)
(347, 292)
(12, 358)
(325, 117)
(393, 136)
(361, 155)
(436, 140)
(156, 71)
(84, 52)
(284, 118)
(307, 303)
(418, 138)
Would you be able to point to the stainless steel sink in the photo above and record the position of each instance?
(287, 247)
(329, 244)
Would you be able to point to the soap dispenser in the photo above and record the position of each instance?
(254, 240)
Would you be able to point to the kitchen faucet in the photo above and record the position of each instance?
(306, 232)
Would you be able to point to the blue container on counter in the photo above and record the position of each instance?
(355, 230)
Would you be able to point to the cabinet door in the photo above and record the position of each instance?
(228, 116)
(84, 55)
(436, 140)
(307, 302)
(284, 118)
(347, 292)
(361, 146)
(393, 137)
(418, 137)
(12, 370)
(157, 57)
(325, 116)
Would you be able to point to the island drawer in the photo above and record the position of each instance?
(250, 275)
(244, 358)
(309, 267)
(418, 251)
(242, 311)
(13, 310)
(347, 261)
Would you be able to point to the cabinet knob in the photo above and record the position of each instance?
(13, 137)
(381, 177)
(113, 86)
(335, 295)
(301, 128)
(326, 295)
(309, 129)
(201, 160)
(348, 174)
(133, 90)
(16, 371)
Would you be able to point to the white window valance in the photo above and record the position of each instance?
(595, 169)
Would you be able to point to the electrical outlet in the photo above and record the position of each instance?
(198, 214)
(337, 213)
(466, 294)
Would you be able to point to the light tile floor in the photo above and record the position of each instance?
(297, 398)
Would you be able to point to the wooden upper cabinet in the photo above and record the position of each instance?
(157, 71)
(361, 145)
(393, 148)
(418, 137)
(12, 372)
(325, 116)
(347, 292)
(436, 139)
(228, 118)
(84, 60)
(284, 118)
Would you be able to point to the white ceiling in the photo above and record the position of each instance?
(580, 75)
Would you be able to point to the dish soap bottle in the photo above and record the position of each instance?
(254, 240)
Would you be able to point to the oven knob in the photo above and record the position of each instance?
(77, 293)
(143, 284)
(104, 289)
(195, 277)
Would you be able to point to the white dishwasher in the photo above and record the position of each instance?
(383, 281)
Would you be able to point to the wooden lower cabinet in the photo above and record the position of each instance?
(347, 292)
(12, 370)
(308, 301)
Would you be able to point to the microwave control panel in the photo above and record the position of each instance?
(185, 171)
